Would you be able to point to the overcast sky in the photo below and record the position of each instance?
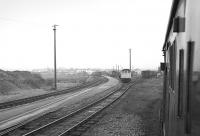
(91, 33)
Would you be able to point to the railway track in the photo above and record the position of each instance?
(17, 102)
(78, 121)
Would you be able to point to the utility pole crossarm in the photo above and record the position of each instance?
(54, 27)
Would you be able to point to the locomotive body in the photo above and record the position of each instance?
(181, 91)
(125, 75)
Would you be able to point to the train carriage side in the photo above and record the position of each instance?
(182, 70)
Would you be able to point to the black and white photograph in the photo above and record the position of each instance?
(99, 68)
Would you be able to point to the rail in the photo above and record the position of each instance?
(87, 112)
(17, 102)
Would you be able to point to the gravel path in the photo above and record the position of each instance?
(136, 114)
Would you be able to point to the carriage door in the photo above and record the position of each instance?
(171, 89)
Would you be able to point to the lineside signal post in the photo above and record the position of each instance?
(130, 58)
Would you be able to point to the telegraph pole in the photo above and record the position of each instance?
(55, 76)
(130, 58)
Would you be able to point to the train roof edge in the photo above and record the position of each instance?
(174, 6)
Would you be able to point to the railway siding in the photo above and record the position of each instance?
(137, 112)
(43, 96)
(111, 86)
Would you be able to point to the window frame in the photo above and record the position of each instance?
(180, 83)
(190, 58)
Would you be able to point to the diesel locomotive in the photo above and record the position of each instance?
(125, 75)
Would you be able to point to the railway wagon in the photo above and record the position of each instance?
(149, 74)
(115, 74)
(181, 91)
(125, 75)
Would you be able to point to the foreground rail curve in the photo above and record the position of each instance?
(101, 87)
(22, 101)
(81, 119)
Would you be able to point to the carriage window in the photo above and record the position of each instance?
(180, 84)
(172, 50)
(170, 70)
(190, 54)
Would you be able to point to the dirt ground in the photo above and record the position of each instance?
(135, 114)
